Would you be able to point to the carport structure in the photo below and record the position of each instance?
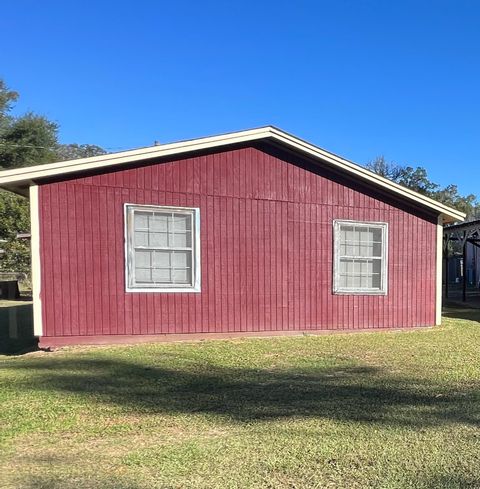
(463, 233)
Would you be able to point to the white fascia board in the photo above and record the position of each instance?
(113, 159)
(26, 175)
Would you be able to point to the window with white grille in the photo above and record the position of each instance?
(162, 248)
(360, 257)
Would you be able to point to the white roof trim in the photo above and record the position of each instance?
(25, 176)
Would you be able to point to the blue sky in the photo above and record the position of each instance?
(359, 78)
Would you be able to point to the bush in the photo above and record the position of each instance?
(14, 218)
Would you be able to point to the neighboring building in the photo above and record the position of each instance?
(254, 232)
(462, 257)
(473, 265)
(455, 267)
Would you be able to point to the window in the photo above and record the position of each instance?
(162, 248)
(360, 257)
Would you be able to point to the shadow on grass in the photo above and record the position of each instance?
(452, 481)
(16, 328)
(47, 482)
(360, 394)
(461, 312)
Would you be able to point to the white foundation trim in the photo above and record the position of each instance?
(35, 247)
(439, 268)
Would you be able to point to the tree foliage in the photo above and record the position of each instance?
(14, 218)
(417, 179)
(29, 139)
(385, 169)
(7, 99)
(75, 151)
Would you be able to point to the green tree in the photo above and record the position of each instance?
(14, 218)
(26, 140)
(75, 151)
(385, 169)
(468, 203)
(417, 179)
(7, 99)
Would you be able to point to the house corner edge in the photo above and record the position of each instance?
(439, 272)
(36, 263)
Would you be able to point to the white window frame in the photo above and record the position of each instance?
(130, 285)
(337, 289)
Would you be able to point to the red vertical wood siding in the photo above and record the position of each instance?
(266, 251)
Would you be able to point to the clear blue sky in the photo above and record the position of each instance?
(359, 78)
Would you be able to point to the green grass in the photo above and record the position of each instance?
(370, 410)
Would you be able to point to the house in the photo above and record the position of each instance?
(253, 232)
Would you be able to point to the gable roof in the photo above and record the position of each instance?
(19, 179)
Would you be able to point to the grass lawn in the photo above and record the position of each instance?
(383, 410)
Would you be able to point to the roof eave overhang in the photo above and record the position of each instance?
(19, 179)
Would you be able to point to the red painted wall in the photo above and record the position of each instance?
(266, 250)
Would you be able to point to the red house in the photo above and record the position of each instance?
(253, 232)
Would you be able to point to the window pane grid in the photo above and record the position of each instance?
(360, 257)
(162, 267)
(162, 245)
(162, 230)
(153, 248)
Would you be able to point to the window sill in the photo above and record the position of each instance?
(360, 292)
(168, 290)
